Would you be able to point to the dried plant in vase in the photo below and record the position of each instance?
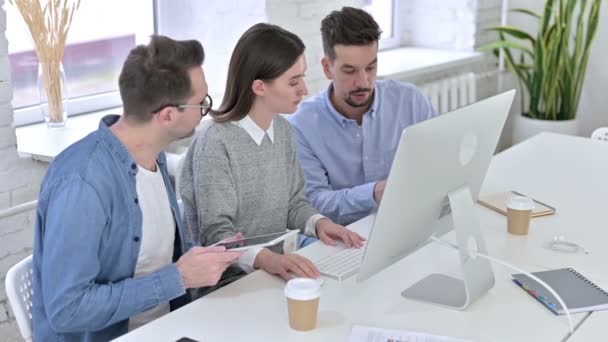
(49, 26)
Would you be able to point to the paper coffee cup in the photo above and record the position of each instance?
(302, 303)
(519, 213)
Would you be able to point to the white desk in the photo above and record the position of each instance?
(254, 307)
(569, 173)
(595, 327)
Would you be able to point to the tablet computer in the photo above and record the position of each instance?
(497, 202)
(256, 241)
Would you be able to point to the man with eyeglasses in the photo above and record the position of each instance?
(110, 249)
(204, 106)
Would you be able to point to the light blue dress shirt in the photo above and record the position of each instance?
(341, 160)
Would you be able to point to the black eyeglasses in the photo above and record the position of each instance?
(205, 106)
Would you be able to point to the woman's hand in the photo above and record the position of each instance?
(283, 265)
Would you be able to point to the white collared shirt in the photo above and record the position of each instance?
(245, 261)
(255, 132)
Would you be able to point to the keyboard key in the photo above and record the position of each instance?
(341, 265)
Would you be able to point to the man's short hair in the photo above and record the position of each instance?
(348, 26)
(157, 74)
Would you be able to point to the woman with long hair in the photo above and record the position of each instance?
(241, 174)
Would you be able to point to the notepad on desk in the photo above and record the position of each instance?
(498, 202)
(578, 293)
(361, 333)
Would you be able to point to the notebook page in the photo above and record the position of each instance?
(361, 333)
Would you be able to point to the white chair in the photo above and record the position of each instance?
(175, 162)
(19, 292)
(600, 134)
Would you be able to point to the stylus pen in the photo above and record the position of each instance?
(535, 200)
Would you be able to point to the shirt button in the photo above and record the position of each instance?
(136, 200)
(136, 239)
(133, 166)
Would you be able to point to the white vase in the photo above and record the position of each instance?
(525, 128)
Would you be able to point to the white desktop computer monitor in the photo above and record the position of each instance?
(438, 170)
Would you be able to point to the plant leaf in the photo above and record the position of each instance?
(526, 11)
(512, 31)
(506, 44)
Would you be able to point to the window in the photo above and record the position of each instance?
(101, 36)
(384, 12)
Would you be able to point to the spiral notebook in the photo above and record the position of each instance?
(578, 293)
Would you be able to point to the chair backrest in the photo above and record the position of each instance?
(175, 162)
(19, 292)
(600, 134)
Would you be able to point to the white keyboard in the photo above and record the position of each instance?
(341, 265)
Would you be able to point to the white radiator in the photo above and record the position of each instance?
(451, 93)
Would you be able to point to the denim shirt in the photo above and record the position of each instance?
(87, 240)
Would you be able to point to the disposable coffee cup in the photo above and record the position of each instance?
(302, 303)
(519, 213)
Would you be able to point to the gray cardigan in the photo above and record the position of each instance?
(230, 184)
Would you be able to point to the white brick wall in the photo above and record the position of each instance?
(438, 23)
(19, 183)
(488, 15)
(304, 19)
(462, 22)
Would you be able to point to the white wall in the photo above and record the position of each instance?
(217, 25)
(19, 182)
(303, 17)
(592, 111)
(418, 21)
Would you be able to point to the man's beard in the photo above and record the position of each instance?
(354, 104)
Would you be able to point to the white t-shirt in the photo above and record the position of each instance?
(158, 235)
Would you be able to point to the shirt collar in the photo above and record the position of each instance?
(341, 118)
(254, 131)
(106, 135)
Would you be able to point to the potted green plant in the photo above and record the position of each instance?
(549, 65)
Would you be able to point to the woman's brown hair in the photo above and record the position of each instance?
(264, 52)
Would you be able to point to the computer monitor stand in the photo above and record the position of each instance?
(477, 273)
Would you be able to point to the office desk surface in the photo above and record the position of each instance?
(569, 173)
(254, 308)
(562, 171)
(593, 329)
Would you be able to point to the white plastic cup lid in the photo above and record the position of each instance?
(520, 203)
(302, 289)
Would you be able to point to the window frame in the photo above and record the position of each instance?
(76, 106)
(394, 41)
